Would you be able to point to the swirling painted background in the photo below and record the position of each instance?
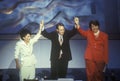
(18, 14)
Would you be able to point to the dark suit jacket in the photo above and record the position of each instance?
(55, 50)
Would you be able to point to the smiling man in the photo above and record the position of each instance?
(60, 51)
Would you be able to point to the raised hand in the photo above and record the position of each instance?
(76, 21)
(41, 25)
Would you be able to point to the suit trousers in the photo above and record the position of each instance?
(94, 70)
(59, 69)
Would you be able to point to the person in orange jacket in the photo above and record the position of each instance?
(96, 54)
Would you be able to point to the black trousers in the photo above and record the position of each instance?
(59, 69)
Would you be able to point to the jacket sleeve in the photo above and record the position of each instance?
(82, 32)
(46, 34)
(106, 49)
(35, 38)
(17, 51)
(72, 32)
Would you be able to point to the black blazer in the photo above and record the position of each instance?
(55, 50)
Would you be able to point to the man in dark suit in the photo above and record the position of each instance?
(60, 51)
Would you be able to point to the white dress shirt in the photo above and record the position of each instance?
(25, 51)
(60, 38)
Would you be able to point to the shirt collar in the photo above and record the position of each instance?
(97, 33)
(23, 42)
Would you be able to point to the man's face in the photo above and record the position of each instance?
(61, 30)
(94, 28)
(27, 38)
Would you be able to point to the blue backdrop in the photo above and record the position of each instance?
(18, 14)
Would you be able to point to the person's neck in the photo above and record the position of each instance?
(96, 33)
(26, 42)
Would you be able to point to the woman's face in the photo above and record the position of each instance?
(27, 38)
(94, 28)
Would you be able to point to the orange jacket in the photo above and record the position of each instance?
(97, 48)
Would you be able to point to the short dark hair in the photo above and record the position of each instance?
(59, 24)
(24, 32)
(94, 22)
